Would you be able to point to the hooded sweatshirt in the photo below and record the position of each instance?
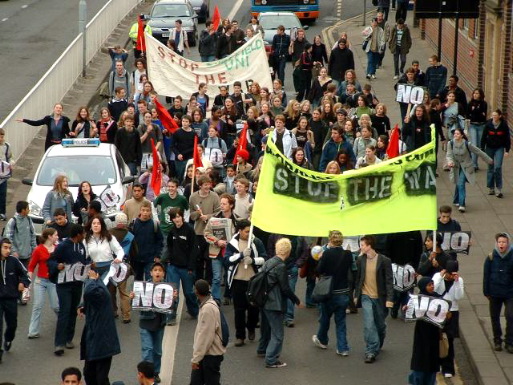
(20, 231)
(498, 273)
(12, 272)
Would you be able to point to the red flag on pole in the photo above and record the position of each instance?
(216, 19)
(165, 118)
(243, 142)
(393, 144)
(141, 40)
(156, 173)
(196, 156)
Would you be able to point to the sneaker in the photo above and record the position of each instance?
(289, 323)
(447, 375)
(373, 76)
(497, 347)
(70, 345)
(499, 194)
(491, 191)
(251, 335)
(59, 350)
(368, 76)
(370, 358)
(456, 204)
(239, 342)
(461, 209)
(171, 322)
(32, 336)
(509, 349)
(277, 364)
(261, 354)
(344, 353)
(127, 321)
(156, 378)
(3, 217)
(7, 345)
(396, 77)
(318, 343)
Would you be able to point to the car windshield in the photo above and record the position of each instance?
(171, 10)
(288, 21)
(97, 170)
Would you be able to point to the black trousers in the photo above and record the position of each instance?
(242, 308)
(96, 372)
(9, 311)
(203, 262)
(495, 305)
(209, 372)
(69, 295)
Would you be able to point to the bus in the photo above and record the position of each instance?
(304, 9)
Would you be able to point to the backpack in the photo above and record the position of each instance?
(466, 144)
(225, 329)
(214, 155)
(258, 288)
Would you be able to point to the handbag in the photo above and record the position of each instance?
(444, 345)
(364, 44)
(323, 289)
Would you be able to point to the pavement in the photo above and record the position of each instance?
(485, 216)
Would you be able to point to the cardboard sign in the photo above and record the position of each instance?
(108, 198)
(118, 272)
(73, 273)
(409, 94)
(404, 277)
(456, 241)
(426, 308)
(149, 296)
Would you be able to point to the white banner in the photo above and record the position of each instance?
(431, 309)
(149, 296)
(172, 74)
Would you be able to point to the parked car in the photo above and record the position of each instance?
(202, 9)
(271, 20)
(164, 14)
(80, 160)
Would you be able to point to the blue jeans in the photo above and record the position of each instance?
(374, 326)
(151, 346)
(3, 196)
(280, 63)
(42, 286)
(132, 166)
(175, 275)
(208, 58)
(271, 341)
(180, 169)
(292, 273)
(372, 62)
(494, 173)
(422, 378)
(217, 271)
(336, 305)
(476, 132)
(459, 191)
(69, 297)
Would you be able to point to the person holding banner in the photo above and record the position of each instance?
(208, 43)
(416, 130)
(433, 261)
(70, 252)
(449, 285)
(461, 166)
(374, 293)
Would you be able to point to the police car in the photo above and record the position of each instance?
(81, 160)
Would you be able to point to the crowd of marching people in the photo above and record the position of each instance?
(210, 154)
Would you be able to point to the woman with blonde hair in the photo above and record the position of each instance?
(292, 114)
(58, 197)
(333, 168)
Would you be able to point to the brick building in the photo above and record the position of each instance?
(484, 52)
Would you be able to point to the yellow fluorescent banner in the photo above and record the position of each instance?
(174, 75)
(393, 196)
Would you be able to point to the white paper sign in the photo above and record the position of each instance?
(456, 241)
(149, 296)
(175, 75)
(404, 277)
(431, 309)
(118, 272)
(73, 273)
(409, 94)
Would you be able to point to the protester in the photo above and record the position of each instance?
(476, 113)
(20, 231)
(374, 41)
(7, 162)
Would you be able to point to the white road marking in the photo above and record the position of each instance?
(234, 10)
(24, 6)
(5, 19)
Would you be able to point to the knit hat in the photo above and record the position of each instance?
(121, 219)
(244, 154)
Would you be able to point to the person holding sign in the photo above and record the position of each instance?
(416, 130)
(374, 292)
(7, 162)
(405, 94)
(498, 288)
(433, 261)
(71, 251)
(449, 285)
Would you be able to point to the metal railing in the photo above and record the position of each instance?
(61, 76)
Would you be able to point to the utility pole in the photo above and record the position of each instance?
(82, 16)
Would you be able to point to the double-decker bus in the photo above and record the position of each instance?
(304, 9)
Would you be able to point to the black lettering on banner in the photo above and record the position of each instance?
(420, 181)
(369, 188)
(73, 273)
(149, 296)
(404, 277)
(289, 183)
(456, 241)
(426, 308)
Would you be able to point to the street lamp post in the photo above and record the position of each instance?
(82, 16)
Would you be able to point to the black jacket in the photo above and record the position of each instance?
(181, 247)
(405, 248)
(129, 145)
(207, 44)
(496, 137)
(384, 278)
(99, 337)
(340, 61)
(47, 121)
(12, 273)
(336, 262)
(278, 281)
(417, 133)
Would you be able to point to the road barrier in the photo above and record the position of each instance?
(61, 76)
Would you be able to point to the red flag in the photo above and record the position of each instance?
(216, 19)
(196, 156)
(165, 118)
(141, 40)
(393, 144)
(243, 142)
(156, 173)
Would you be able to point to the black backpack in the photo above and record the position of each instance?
(225, 329)
(258, 288)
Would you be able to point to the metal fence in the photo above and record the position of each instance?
(61, 76)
